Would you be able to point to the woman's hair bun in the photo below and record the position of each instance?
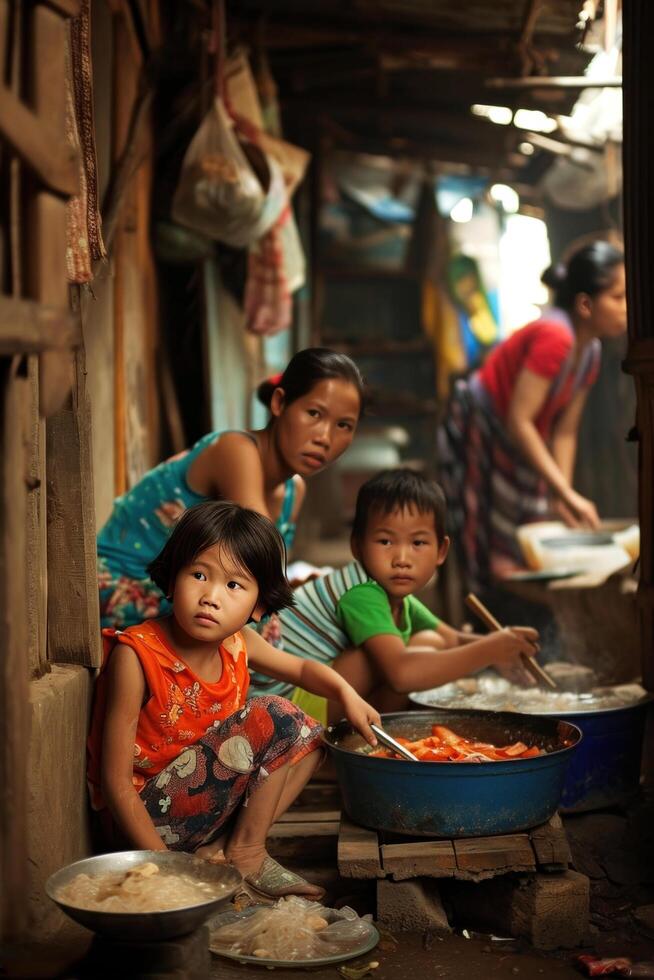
(555, 275)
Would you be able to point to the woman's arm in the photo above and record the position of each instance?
(313, 677)
(566, 431)
(125, 693)
(528, 398)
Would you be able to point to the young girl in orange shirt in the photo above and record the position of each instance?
(177, 757)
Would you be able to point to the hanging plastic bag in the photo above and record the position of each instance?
(218, 192)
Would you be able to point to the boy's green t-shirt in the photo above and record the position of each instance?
(365, 611)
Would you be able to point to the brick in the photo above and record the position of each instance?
(411, 906)
(549, 910)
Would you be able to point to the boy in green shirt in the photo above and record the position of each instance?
(364, 620)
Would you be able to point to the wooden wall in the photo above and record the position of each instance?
(69, 358)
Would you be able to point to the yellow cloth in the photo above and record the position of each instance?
(312, 705)
(441, 325)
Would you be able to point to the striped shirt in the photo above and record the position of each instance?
(323, 622)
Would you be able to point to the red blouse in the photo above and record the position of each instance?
(545, 347)
(180, 707)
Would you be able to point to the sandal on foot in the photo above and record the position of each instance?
(274, 881)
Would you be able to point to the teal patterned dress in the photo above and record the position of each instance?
(139, 526)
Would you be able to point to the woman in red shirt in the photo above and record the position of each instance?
(509, 438)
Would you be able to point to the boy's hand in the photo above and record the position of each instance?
(507, 646)
(360, 714)
(527, 633)
(516, 673)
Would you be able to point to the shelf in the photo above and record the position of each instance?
(385, 404)
(371, 347)
(371, 272)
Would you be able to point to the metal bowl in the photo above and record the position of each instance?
(455, 799)
(146, 926)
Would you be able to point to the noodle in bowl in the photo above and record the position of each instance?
(143, 895)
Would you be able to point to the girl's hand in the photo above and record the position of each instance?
(360, 714)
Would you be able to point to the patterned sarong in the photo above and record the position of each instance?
(490, 488)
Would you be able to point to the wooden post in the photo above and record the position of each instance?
(36, 530)
(638, 25)
(14, 684)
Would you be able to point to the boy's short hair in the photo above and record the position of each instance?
(251, 540)
(398, 489)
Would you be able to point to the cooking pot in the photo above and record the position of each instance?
(605, 770)
(455, 799)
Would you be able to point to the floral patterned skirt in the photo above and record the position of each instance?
(193, 799)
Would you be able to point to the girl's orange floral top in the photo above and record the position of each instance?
(180, 707)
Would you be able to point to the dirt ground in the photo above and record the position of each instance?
(614, 848)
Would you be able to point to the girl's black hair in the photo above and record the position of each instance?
(590, 270)
(398, 489)
(250, 539)
(306, 369)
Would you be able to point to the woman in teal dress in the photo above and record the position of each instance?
(314, 410)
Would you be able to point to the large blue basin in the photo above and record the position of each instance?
(450, 799)
(605, 770)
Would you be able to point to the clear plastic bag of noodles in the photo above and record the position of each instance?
(218, 192)
(292, 929)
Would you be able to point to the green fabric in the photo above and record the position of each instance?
(365, 611)
(312, 704)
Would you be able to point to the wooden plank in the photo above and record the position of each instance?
(305, 841)
(480, 857)
(358, 851)
(317, 795)
(432, 859)
(14, 685)
(73, 603)
(550, 844)
(312, 828)
(39, 144)
(45, 214)
(4, 38)
(27, 327)
(301, 815)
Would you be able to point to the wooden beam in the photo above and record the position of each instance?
(559, 139)
(479, 156)
(554, 81)
(638, 28)
(27, 327)
(67, 8)
(428, 121)
(73, 603)
(39, 145)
